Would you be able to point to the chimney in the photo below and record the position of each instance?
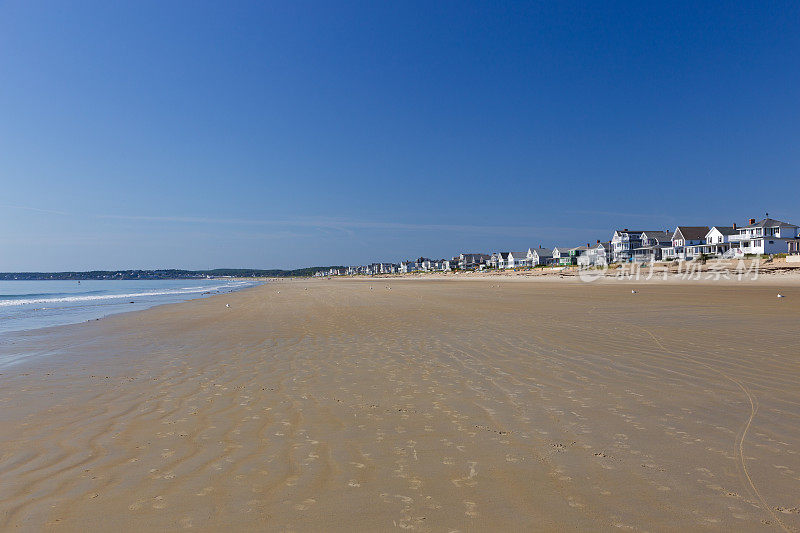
(734, 225)
(752, 221)
(598, 241)
(626, 229)
(587, 245)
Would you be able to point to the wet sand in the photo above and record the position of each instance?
(413, 404)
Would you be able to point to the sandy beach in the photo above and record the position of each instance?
(433, 405)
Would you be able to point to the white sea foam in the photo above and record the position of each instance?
(112, 296)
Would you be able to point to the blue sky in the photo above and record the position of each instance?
(196, 135)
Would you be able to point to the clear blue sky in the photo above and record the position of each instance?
(285, 134)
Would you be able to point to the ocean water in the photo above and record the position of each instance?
(26, 305)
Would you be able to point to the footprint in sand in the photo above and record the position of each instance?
(306, 504)
(135, 506)
(471, 509)
(159, 503)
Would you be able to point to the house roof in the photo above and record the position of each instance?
(659, 235)
(692, 233)
(771, 223)
(503, 255)
(635, 232)
(725, 230)
(473, 257)
(542, 252)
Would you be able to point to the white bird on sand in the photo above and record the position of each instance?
(781, 296)
(227, 305)
(633, 291)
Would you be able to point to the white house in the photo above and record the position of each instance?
(597, 255)
(502, 259)
(516, 259)
(539, 256)
(717, 242)
(684, 236)
(768, 236)
(449, 264)
(623, 242)
(442, 265)
(408, 266)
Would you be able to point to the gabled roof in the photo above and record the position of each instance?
(725, 230)
(658, 235)
(771, 223)
(542, 252)
(691, 233)
(503, 255)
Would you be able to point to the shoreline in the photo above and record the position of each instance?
(191, 296)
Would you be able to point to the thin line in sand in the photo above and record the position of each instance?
(740, 444)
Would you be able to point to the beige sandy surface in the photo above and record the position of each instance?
(401, 404)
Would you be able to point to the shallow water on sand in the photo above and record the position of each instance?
(26, 305)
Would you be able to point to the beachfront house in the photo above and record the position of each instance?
(408, 266)
(623, 242)
(769, 236)
(576, 252)
(651, 244)
(441, 265)
(682, 237)
(717, 242)
(567, 256)
(502, 259)
(470, 261)
(558, 253)
(596, 255)
(425, 264)
(539, 256)
(449, 264)
(516, 259)
(388, 268)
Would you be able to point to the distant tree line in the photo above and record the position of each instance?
(165, 274)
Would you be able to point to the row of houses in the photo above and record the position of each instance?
(767, 236)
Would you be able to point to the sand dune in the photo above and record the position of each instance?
(427, 405)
